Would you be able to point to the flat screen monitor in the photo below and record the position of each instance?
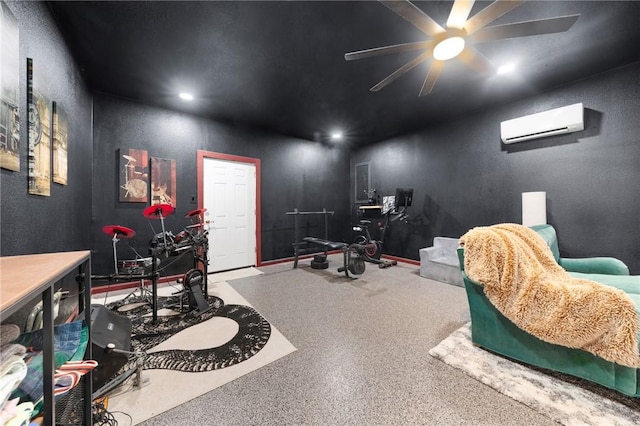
(404, 197)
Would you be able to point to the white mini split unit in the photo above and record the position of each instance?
(557, 121)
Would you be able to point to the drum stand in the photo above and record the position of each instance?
(124, 232)
(157, 211)
(114, 241)
(117, 230)
(146, 295)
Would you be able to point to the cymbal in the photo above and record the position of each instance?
(195, 212)
(158, 210)
(128, 157)
(120, 231)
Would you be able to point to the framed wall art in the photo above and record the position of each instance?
(60, 144)
(9, 90)
(134, 175)
(39, 136)
(163, 181)
(362, 180)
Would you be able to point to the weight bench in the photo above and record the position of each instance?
(352, 254)
(326, 244)
(332, 245)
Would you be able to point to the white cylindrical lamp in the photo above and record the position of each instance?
(534, 208)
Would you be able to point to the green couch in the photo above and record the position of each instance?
(493, 331)
(588, 265)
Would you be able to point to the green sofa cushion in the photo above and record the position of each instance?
(628, 283)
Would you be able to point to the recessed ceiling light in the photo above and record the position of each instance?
(186, 96)
(507, 68)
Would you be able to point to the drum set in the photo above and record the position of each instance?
(193, 238)
(168, 244)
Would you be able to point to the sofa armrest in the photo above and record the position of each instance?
(441, 255)
(595, 265)
(432, 251)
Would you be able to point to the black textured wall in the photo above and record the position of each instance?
(61, 222)
(295, 174)
(464, 176)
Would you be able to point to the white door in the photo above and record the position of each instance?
(229, 195)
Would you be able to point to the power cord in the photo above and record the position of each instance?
(102, 417)
(100, 414)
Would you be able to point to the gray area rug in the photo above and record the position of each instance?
(565, 399)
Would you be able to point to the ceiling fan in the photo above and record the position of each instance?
(458, 38)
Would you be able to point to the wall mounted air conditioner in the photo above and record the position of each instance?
(557, 121)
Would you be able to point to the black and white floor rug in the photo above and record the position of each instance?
(189, 356)
(565, 399)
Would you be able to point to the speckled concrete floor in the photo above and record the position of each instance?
(362, 356)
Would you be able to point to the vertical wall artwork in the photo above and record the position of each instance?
(60, 144)
(362, 180)
(9, 90)
(39, 136)
(163, 181)
(134, 175)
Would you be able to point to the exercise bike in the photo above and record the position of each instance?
(365, 249)
(369, 249)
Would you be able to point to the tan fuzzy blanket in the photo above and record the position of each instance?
(523, 281)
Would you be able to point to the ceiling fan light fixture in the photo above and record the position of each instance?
(445, 43)
(506, 68)
(448, 48)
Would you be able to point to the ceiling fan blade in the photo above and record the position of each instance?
(400, 71)
(415, 16)
(476, 60)
(490, 14)
(396, 48)
(525, 28)
(431, 78)
(459, 13)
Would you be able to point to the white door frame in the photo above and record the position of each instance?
(201, 156)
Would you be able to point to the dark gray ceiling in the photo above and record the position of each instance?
(280, 65)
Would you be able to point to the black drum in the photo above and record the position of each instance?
(162, 241)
